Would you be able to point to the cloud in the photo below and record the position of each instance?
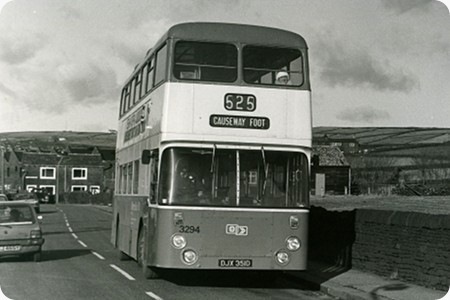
(363, 114)
(87, 82)
(357, 68)
(21, 47)
(401, 6)
(5, 90)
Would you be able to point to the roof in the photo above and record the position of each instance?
(68, 160)
(107, 154)
(228, 32)
(330, 156)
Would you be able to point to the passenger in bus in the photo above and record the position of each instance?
(282, 78)
(193, 189)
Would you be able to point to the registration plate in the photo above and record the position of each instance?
(9, 248)
(235, 263)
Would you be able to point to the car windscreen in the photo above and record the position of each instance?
(23, 196)
(10, 213)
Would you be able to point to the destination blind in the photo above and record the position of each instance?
(239, 122)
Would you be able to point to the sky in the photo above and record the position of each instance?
(372, 62)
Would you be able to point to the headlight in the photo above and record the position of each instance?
(293, 243)
(282, 258)
(189, 257)
(178, 241)
(35, 234)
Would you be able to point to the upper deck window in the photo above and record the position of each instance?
(205, 61)
(273, 66)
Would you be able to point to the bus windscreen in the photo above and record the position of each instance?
(234, 178)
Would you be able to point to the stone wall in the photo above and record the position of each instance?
(409, 246)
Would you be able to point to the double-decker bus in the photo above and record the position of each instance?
(213, 151)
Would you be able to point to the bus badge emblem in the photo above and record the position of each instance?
(235, 229)
(178, 219)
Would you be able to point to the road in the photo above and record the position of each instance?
(79, 262)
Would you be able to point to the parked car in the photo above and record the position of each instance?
(3, 197)
(29, 198)
(20, 231)
(43, 195)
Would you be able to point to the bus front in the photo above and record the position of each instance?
(233, 189)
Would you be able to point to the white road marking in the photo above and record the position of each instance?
(98, 255)
(82, 244)
(127, 276)
(154, 296)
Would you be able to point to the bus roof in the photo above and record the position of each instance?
(228, 32)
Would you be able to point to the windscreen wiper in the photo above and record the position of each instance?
(266, 170)
(213, 160)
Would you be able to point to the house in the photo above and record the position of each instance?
(330, 171)
(11, 175)
(345, 144)
(73, 169)
(61, 174)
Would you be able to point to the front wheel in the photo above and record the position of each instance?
(149, 272)
(123, 256)
(37, 256)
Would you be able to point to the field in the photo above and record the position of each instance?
(392, 141)
(436, 205)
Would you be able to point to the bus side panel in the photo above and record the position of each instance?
(228, 235)
(128, 210)
(120, 232)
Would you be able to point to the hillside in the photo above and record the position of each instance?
(46, 139)
(391, 141)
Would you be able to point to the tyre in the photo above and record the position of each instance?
(37, 256)
(123, 256)
(149, 272)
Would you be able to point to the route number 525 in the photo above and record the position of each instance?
(240, 102)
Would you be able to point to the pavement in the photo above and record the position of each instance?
(353, 284)
(356, 285)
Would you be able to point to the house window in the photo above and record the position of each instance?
(49, 188)
(79, 188)
(47, 173)
(31, 187)
(253, 177)
(94, 189)
(79, 173)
